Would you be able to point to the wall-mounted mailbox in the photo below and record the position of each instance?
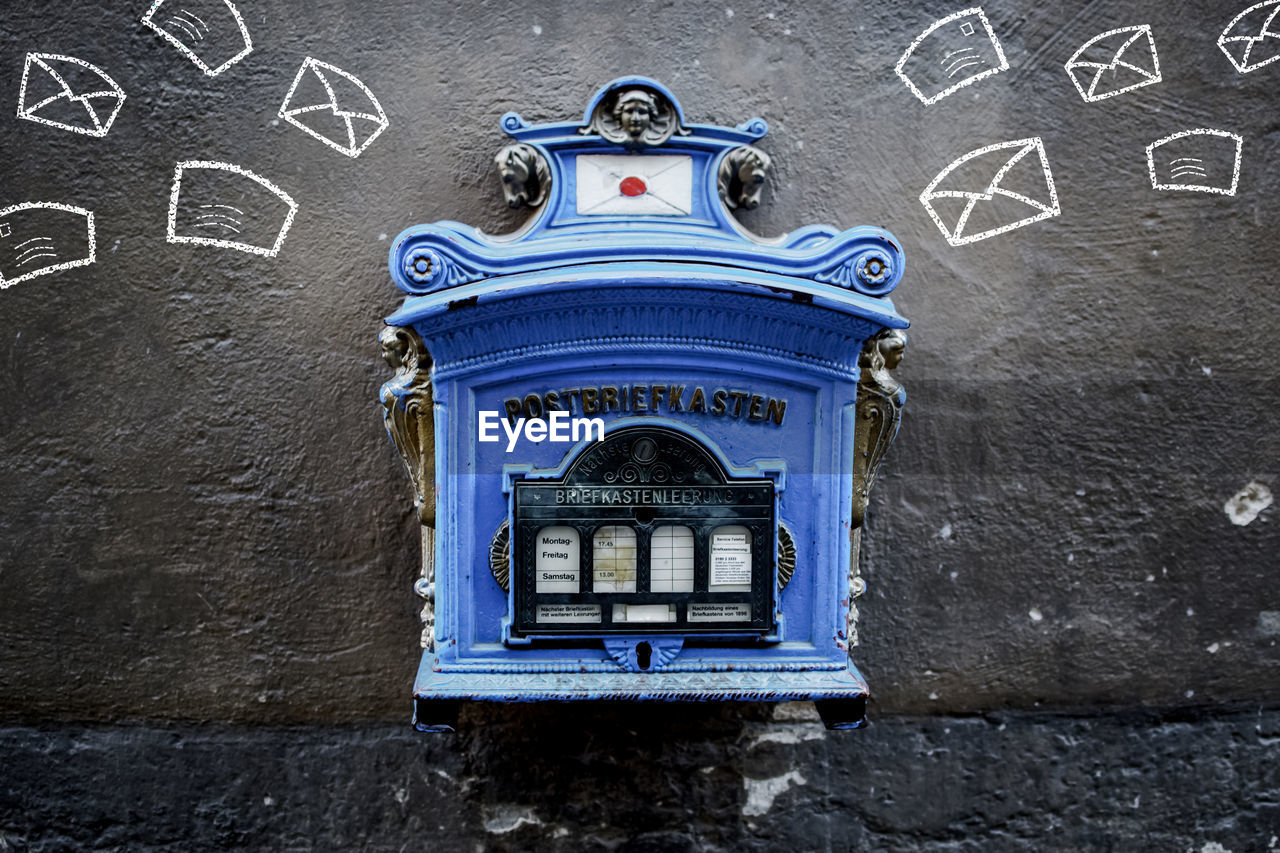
(641, 438)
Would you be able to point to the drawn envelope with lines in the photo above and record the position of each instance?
(334, 107)
(1252, 39)
(1202, 160)
(210, 33)
(65, 92)
(1115, 62)
(952, 53)
(992, 190)
(219, 204)
(42, 237)
(630, 184)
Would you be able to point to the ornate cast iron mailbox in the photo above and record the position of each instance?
(643, 437)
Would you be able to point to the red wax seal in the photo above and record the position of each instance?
(633, 186)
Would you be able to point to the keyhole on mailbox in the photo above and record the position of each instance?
(644, 653)
(644, 515)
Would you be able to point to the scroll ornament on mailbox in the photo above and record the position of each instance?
(697, 539)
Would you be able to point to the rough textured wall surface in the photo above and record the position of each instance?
(655, 780)
(202, 520)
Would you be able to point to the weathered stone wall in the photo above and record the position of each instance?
(204, 530)
(640, 779)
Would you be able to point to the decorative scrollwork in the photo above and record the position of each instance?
(871, 272)
(873, 269)
(526, 177)
(511, 122)
(643, 467)
(425, 586)
(635, 116)
(662, 651)
(423, 266)
(786, 557)
(741, 176)
(878, 415)
(630, 472)
(407, 412)
(428, 270)
(500, 555)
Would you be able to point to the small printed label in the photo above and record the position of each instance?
(730, 559)
(614, 560)
(644, 613)
(714, 612)
(557, 559)
(568, 612)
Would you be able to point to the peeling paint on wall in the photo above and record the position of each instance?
(1245, 505)
(1213, 847)
(762, 792)
(1269, 623)
(506, 818)
(791, 734)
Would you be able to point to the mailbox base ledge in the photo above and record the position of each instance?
(841, 695)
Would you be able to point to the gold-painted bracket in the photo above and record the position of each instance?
(877, 417)
(407, 411)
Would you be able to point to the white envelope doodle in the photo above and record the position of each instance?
(1115, 62)
(1201, 160)
(334, 107)
(42, 237)
(1252, 39)
(220, 204)
(210, 33)
(992, 190)
(609, 184)
(952, 53)
(65, 92)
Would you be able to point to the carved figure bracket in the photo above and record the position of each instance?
(741, 176)
(876, 421)
(526, 177)
(879, 412)
(407, 412)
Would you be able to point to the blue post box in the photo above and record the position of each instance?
(641, 437)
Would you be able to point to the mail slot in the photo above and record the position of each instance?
(641, 438)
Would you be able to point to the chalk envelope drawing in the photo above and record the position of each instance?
(210, 33)
(220, 204)
(1115, 62)
(69, 93)
(992, 190)
(1252, 39)
(1201, 160)
(334, 107)
(952, 53)
(37, 238)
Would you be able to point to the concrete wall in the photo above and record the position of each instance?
(206, 541)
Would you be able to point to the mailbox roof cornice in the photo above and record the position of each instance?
(569, 243)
